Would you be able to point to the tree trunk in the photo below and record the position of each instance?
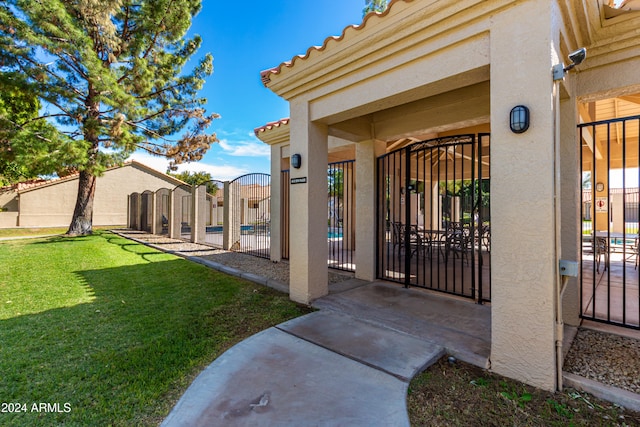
(82, 221)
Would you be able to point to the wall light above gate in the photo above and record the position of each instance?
(296, 161)
(519, 119)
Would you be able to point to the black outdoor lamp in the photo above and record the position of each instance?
(296, 161)
(519, 119)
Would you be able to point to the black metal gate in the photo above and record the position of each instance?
(609, 256)
(434, 225)
(285, 191)
(341, 227)
(341, 236)
(251, 201)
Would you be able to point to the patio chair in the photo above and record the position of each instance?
(398, 237)
(459, 243)
(635, 251)
(485, 237)
(601, 249)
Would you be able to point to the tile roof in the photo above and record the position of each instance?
(265, 75)
(271, 125)
(34, 183)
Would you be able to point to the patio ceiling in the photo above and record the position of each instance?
(418, 120)
(607, 109)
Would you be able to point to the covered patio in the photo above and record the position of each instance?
(402, 90)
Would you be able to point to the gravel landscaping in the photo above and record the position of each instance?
(278, 271)
(606, 358)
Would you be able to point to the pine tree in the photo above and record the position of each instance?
(374, 6)
(28, 147)
(110, 74)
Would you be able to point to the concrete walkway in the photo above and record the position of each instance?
(330, 368)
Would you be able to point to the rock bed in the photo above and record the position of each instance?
(278, 271)
(606, 358)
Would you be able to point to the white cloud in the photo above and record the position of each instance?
(245, 148)
(222, 173)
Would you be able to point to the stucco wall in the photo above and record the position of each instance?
(523, 255)
(8, 219)
(386, 80)
(9, 200)
(52, 205)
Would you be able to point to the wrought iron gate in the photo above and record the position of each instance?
(285, 191)
(341, 227)
(251, 200)
(341, 236)
(609, 253)
(434, 225)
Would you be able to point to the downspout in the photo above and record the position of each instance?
(563, 269)
(559, 283)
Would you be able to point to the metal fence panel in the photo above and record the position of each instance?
(610, 153)
(251, 196)
(341, 232)
(434, 216)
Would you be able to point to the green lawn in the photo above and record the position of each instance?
(112, 331)
(8, 233)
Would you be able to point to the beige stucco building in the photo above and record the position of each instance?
(51, 203)
(423, 72)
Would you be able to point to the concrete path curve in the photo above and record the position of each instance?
(322, 369)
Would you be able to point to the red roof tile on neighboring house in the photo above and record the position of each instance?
(28, 184)
(265, 75)
(33, 183)
(271, 125)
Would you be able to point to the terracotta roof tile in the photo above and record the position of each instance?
(265, 75)
(33, 183)
(271, 125)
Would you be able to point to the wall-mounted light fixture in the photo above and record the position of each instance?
(296, 161)
(576, 58)
(519, 119)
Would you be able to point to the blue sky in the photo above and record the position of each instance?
(244, 39)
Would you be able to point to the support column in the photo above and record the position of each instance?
(275, 238)
(198, 213)
(172, 213)
(154, 213)
(175, 222)
(308, 219)
(129, 207)
(349, 218)
(231, 228)
(523, 269)
(366, 241)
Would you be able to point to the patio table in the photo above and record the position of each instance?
(616, 235)
(603, 240)
(433, 239)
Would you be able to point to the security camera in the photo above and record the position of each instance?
(577, 57)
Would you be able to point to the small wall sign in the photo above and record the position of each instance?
(302, 180)
(601, 204)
